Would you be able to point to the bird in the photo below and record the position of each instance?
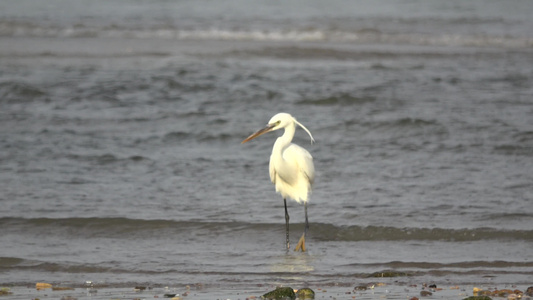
(291, 167)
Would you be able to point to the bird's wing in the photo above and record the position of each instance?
(303, 160)
(272, 171)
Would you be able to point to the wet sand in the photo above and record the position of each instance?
(381, 289)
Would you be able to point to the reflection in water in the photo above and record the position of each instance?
(293, 266)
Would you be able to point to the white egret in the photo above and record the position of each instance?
(291, 167)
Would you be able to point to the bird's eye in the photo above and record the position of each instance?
(278, 122)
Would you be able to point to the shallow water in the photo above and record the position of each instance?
(121, 126)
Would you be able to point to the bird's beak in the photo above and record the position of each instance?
(259, 132)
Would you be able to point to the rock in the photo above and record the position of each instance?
(478, 298)
(170, 295)
(518, 292)
(529, 291)
(479, 292)
(42, 285)
(502, 293)
(425, 293)
(280, 293)
(305, 293)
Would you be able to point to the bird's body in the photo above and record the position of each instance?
(291, 167)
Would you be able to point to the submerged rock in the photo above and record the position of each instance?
(478, 298)
(280, 293)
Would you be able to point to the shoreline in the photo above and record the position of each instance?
(372, 290)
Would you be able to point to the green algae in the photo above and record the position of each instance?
(280, 293)
(305, 293)
(5, 291)
(389, 274)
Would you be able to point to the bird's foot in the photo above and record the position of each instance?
(301, 244)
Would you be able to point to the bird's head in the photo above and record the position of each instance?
(279, 121)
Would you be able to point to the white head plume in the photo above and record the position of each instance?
(306, 130)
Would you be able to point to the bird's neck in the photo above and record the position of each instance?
(285, 140)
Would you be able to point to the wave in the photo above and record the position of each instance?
(459, 264)
(343, 272)
(514, 150)
(132, 228)
(386, 233)
(361, 35)
(344, 99)
(13, 91)
(15, 263)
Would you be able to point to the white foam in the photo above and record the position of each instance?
(296, 35)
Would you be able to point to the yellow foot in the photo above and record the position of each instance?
(301, 244)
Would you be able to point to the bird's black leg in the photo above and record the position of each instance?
(286, 223)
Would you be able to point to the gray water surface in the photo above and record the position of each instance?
(121, 123)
